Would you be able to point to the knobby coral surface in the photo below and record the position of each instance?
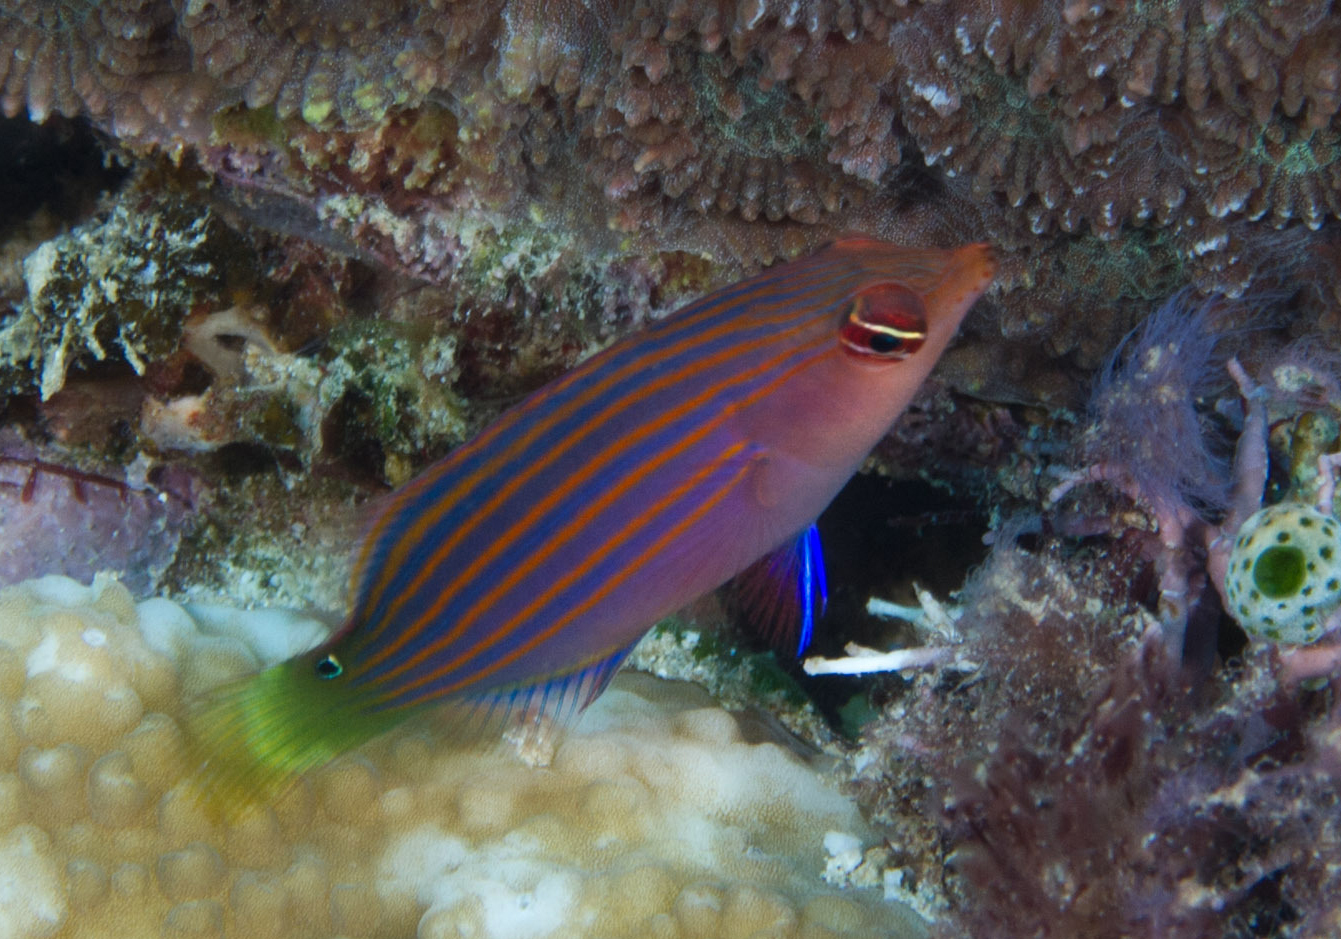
(377, 225)
(658, 819)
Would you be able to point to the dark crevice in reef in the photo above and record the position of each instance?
(60, 165)
(880, 537)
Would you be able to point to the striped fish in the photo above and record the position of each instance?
(513, 576)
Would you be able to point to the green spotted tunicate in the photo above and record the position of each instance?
(1284, 576)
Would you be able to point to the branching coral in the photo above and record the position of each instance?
(562, 171)
(1185, 130)
(337, 63)
(121, 62)
(788, 111)
(1114, 113)
(1182, 133)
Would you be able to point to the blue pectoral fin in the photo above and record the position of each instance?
(785, 592)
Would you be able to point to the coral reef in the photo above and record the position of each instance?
(657, 816)
(1060, 774)
(552, 199)
(349, 235)
(56, 518)
(119, 287)
(1284, 577)
(1173, 360)
(1155, 813)
(377, 381)
(792, 111)
(1110, 145)
(1092, 747)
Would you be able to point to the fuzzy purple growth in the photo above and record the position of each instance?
(1144, 418)
(1152, 817)
(57, 520)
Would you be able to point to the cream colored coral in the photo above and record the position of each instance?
(655, 819)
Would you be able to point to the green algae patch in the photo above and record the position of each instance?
(118, 289)
(1280, 571)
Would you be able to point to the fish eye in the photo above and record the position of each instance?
(329, 667)
(885, 323)
(884, 343)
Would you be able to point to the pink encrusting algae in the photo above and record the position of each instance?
(512, 577)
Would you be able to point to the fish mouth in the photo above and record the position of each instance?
(967, 274)
(977, 264)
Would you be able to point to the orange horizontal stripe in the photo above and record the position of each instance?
(506, 539)
(416, 532)
(508, 628)
(592, 560)
(651, 551)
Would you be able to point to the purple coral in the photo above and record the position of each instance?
(59, 520)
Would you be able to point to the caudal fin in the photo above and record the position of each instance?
(252, 738)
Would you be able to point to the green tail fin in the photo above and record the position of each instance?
(254, 737)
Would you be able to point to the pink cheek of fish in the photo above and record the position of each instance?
(823, 424)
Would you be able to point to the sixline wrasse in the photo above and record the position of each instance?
(512, 577)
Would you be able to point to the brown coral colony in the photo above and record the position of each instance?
(1102, 114)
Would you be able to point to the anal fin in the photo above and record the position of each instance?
(530, 716)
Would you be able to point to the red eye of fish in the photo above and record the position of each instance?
(885, 323)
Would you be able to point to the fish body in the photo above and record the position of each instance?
(519, 570)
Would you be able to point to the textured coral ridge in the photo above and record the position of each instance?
(778, 110)
(655, 819)
(523, 152)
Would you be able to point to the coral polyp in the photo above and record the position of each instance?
(1213, 123)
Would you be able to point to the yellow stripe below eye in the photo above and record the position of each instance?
(886, 330)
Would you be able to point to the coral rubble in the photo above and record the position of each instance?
(120, 287)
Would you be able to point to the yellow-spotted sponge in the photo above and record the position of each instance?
(1284, 577)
